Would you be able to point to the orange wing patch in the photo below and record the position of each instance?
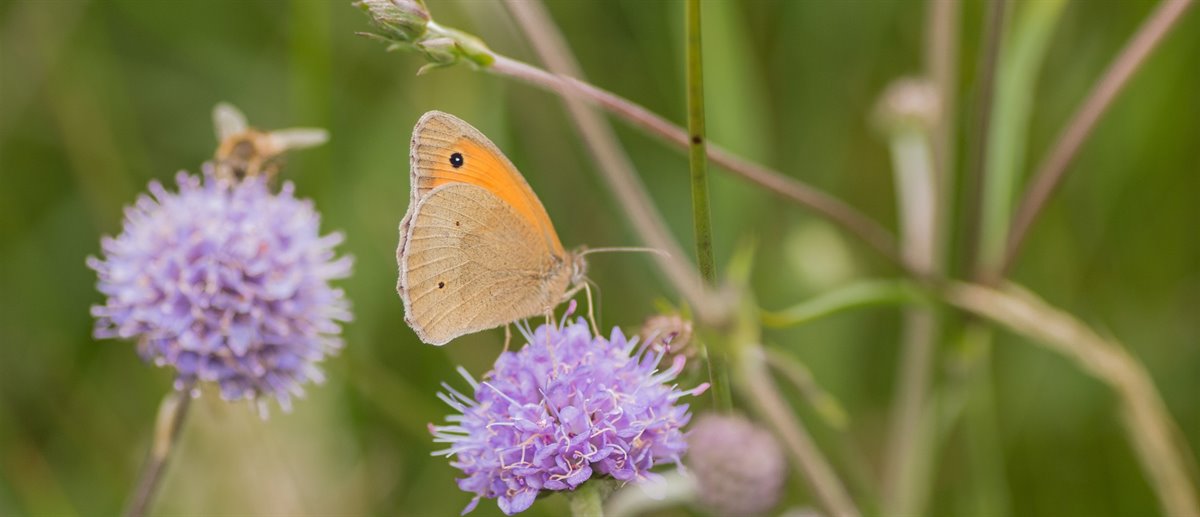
(480, 169)
(447, 150)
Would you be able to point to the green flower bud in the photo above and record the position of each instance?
(402, 20)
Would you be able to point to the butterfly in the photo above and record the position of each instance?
(477, 249)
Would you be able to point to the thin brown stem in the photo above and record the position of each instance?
(832, 209)
(168, 423)
(1053, 168)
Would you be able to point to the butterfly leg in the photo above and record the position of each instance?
(507, 336)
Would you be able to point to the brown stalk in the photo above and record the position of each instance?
(833, 209)
(1053, 168)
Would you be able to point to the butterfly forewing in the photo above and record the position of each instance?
(439, 137)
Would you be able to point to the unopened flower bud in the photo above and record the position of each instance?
(670, 332)
(739, 467)
(439, 51)
(404, 20)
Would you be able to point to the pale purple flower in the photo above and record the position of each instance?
(565, 408)
(739, 467)
(225, 283)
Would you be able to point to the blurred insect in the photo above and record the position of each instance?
(245, 152)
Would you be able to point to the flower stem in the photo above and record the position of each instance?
(718, 362)
(171, 414)
(586, 501)
(697, 156)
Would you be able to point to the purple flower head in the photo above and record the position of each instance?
(227, 284)
(738, 465)
(565, 407)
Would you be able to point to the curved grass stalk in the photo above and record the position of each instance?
(1153, 434)
(1156, 440)
(1053, 168)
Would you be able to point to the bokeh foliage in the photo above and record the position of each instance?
(97, 98)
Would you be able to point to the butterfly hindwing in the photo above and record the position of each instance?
(473, 263)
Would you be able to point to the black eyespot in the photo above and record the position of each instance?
(456, 160)
(457, 223)
(441, 285)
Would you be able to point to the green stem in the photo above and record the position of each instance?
(867, 293)
(586, 501)
(1021, 58)
(989, 492)
(718, 374)
(701, 211)
(697, 153)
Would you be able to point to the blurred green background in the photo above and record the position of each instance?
(98, 98)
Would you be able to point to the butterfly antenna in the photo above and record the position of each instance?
(625, 249)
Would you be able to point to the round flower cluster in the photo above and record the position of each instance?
(739, 466)
(225, 283)
(566, 407)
